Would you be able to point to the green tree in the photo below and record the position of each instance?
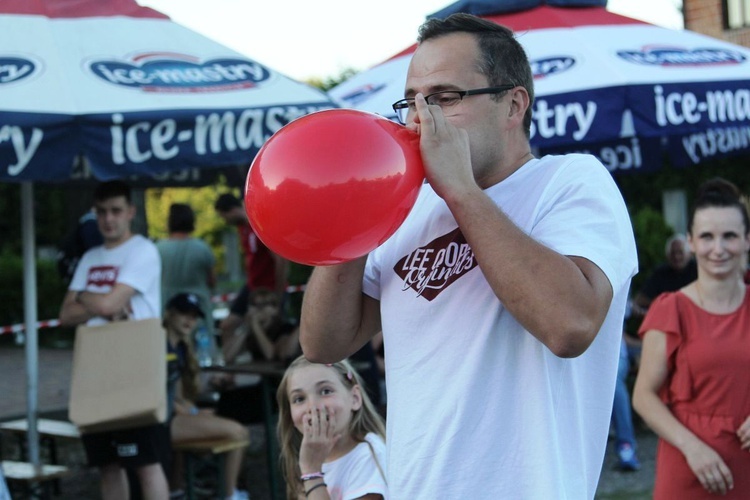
(329, 82)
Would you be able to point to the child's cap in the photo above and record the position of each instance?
(186, 303)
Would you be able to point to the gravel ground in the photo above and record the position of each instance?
(618, 485)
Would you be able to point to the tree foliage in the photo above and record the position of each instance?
(329, 82)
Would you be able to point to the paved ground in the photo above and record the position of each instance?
(54, 381)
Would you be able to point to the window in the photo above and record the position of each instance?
(736, 14)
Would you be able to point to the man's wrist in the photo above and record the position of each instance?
(78, 298)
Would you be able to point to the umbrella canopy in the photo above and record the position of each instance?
(624, 90)
(103, 89)
(131, 92)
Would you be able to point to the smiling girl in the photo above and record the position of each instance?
(332, 438)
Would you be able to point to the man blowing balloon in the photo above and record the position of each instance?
(500, 298)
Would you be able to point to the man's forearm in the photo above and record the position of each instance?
(332, 311)
(73, 312)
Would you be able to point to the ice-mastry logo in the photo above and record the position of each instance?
(13, 69)
(169, 73)
(542, 68)
(681, 57)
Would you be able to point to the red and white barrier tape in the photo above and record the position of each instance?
(20, 327)
(52, 323)
(225, 297)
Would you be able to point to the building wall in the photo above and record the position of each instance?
(707, 17)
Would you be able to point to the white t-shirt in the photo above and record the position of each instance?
(357, 473)
(135, 263)
(477, 406)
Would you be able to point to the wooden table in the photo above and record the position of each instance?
(269, 372)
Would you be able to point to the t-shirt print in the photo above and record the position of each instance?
(432, 268)
(102, 276)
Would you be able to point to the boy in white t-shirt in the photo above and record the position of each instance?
(120, 280)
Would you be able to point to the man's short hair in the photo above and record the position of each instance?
(227, 202)
(181, 218)
(502, 59)
(677, 237)
(111, 189)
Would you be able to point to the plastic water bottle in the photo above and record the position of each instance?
(203, 350)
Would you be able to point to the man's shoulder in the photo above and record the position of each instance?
(571, 168)
(141, 241)
(571, 158)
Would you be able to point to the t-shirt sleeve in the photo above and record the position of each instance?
(371, 280)
(363, 477)
(583, 214)
(207, 255)
(141, 268)
(664, 316)
(78, 282)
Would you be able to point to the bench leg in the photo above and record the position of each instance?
(272, 453)
(52, 447)
(221, 465)
(189, 476)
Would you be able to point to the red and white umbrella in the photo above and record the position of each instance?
(621, 89)
(131, 93)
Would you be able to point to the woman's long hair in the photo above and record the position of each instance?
(365, 420)
(190, 371)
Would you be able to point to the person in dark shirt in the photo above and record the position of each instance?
(676, 272)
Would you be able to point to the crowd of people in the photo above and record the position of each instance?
(128, 277)
(493, 318)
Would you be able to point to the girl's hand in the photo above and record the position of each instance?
(318, 439)
(743, 433)
(710, 469)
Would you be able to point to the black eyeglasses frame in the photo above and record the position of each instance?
(405, 103)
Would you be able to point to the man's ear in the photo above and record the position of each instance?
(519, 103)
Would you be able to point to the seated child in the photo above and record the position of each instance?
(332, 439)
(188, 423)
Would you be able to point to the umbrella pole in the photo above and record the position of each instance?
(30, 318)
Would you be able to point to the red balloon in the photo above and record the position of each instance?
(333, 185)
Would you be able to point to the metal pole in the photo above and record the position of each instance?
(30, 318)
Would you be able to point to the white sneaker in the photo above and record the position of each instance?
(239, 495)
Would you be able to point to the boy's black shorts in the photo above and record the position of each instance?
(131, 448)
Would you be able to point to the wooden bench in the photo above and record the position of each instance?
(49, 431)
(32, 476)
(216, 448)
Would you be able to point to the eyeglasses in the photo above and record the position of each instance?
(445, 99)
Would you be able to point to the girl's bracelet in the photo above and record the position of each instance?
(307, 493)
(312, 475)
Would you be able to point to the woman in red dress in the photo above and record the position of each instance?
(693, 385)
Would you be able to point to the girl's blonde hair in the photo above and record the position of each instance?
(365, 420)
(189, 376)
